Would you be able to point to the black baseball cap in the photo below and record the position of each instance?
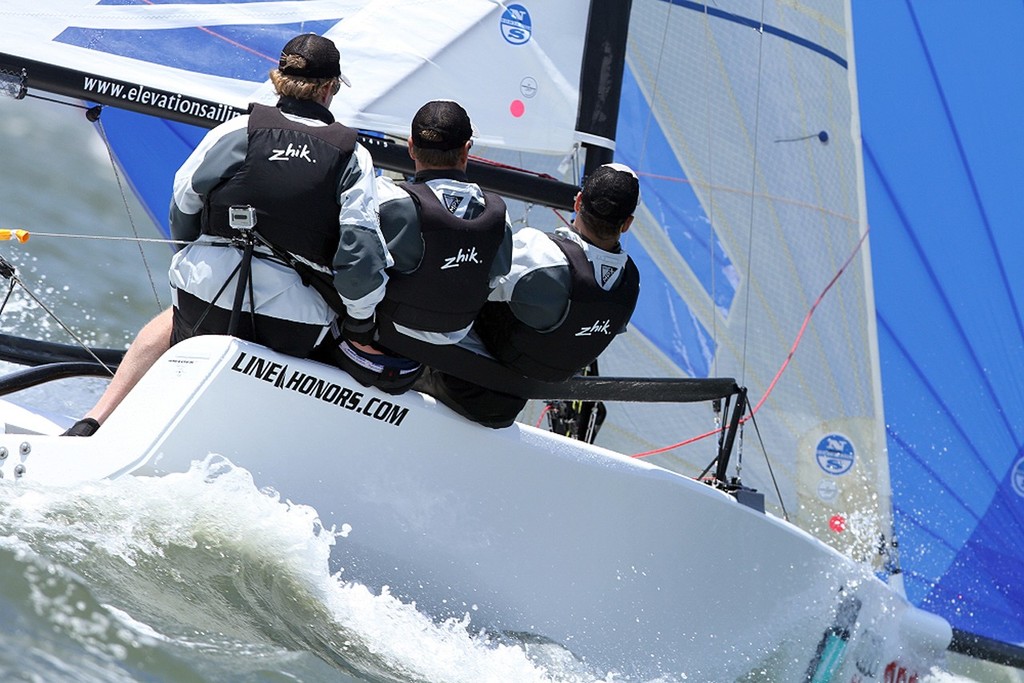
(611, 192)
(441, 124)
(320, 58)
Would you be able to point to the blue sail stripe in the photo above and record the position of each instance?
(150, 168)
(915, 526)
(668, 196)
(662, 315)
(664, 318)
(242, 52)
(756, 24)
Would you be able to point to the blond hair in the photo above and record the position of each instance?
(301, 88)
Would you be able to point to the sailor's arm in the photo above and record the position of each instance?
(362, 253)
(218, 156)
(537, 285)
(400, 225)
(502, 263)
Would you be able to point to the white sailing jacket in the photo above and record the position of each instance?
(203, 265)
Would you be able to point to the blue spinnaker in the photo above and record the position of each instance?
(941, 105)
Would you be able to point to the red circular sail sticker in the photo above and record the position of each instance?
(837, 524)
(517, 108)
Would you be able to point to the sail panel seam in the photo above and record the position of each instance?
(767, 28)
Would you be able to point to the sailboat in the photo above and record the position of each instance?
(752, 244)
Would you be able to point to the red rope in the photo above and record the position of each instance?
(543, 413)
(785, 363)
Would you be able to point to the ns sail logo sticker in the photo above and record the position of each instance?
(835, 454)
(516, 25)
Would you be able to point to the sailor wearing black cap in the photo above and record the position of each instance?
(450, 241)
(566, 297)
(311, 188)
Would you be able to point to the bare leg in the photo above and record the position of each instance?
(151, 342)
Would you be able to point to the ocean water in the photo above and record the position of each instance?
(198, 576)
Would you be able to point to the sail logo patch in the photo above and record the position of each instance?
(292, 152)
(828, 490)
(1017, 477)
(464, 256)
(528, 86)
(516, 26)
(835, 454)
(607, 272)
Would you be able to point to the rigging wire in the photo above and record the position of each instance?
(110, 238)
(8, 272)
(73, 105)
(771, 471)
(753, 186)
(750, 235)
(92, 113)
(127, 209)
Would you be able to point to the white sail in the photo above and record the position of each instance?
(397, 53)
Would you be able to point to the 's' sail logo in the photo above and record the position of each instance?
(516, 25)
(464, 256)
(292, 152)
(597, 327)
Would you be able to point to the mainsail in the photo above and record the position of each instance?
(741, 121)
(743, 128)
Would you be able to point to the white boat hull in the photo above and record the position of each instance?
(633, 568)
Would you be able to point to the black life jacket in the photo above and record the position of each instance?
(592, 320)
(290, 177)
(446, 290)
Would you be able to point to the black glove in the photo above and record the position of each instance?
(359, 330)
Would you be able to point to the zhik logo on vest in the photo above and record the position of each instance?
(292, 152)
(598, 327)
(462, 257)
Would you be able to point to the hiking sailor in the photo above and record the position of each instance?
(567, 296)
(450, 241)
(312, 188)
